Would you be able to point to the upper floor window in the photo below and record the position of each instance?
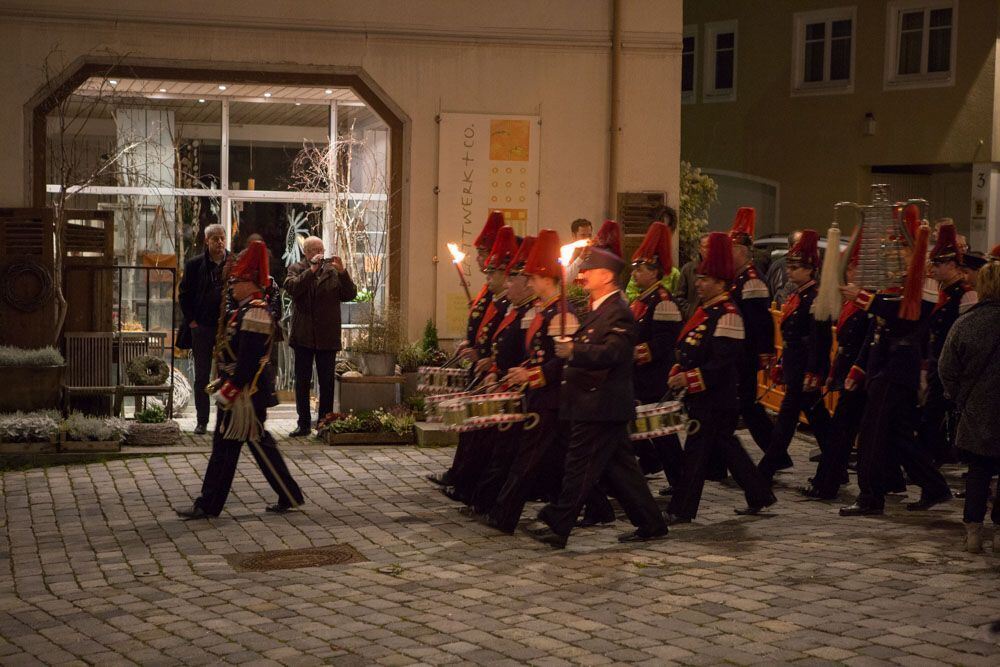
(688, 63)
(824, 51)
(720, 61)
(921, 43)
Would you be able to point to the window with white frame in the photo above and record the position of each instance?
(823, 55)
(720, 61)
(921, 43)
(689, 49)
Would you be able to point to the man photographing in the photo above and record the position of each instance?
(317, 286)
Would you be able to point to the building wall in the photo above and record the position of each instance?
(814, 146)
(520, 56)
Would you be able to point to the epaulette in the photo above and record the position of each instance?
(666, 311)
(257, 319)
(754, 288)
(930, 290)
(730, 326)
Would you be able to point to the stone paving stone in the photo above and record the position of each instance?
(95, 567)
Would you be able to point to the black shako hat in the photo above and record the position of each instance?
(598, 258)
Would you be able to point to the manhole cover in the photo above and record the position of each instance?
(290, 559)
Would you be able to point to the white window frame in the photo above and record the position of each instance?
(894, 14)
(826, 87)
(709, 92)
(690, 96)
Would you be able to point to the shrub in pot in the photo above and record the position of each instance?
(83, 433)
(30, 379)
(151, 427)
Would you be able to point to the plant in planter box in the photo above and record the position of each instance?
(81, 428)
(41, 426)
(378, 342)
(397, 422)
(151, 427)
(30, 379)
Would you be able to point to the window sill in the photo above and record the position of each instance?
(824, 89)
(915, 81)
(720, 96)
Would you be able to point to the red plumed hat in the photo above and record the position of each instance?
(743, 226)
(994, 255)
(252, 265)
(910, 222)
(516, 266)
(488, 236)
(718, 262)
(504, 249)
(609, 237)
(946, 248)
(543, 260)
(916, 272)
(806, 249)
(656, 249)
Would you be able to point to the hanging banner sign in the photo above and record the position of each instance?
(486, 162)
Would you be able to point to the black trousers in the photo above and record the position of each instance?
(202, 344)
(887, 436)
(754, 416)
(601, 452)
(982, 470)
(794, 402)
(935, 434)
(534, 465)
(497, 470)
(222, 468)
(466, 473)
(325, 361)
(715, 438)
(844, 426)
(671, 456)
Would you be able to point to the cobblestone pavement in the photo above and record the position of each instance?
(98, 570)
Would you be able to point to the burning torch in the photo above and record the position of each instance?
(457, 257)
(565, 256)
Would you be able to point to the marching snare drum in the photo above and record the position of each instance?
(440, 380)
(653, 420)
(434, 401)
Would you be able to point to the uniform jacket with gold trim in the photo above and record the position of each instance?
(597, 381)
(852, 327)
(708, 352)
(508, 348)
(491, 319)
(805, 342)
(476, 313)
(657, 323)
(540, 352)
(953, 301)
(893, 347)
(752, 297)
(247, 343)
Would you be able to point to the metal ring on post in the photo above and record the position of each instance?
(532, 421)
(693, 426)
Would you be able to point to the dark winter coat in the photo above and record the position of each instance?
(200, 296)
(316, 298)
(969, 368)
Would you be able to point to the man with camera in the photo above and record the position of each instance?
(317, 286)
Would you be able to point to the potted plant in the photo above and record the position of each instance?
(151, 427)
(359, 310)
(425, 352)
(33, 432)
(377, 342)
(377, 427)
(30, 379)
(92, 434)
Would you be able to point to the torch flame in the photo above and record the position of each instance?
(456, 254)
(566, 252)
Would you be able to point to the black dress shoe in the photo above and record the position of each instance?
(201, 429)
(279, 508)
(451, 493)
(638, 535)
(492, 523)
(752, 510)
(673, 519)
(813, 493)
(300, 432)
(194, 512)
(858, 509)
(541, 532)
(441, 479)
(784, 464)
(959, 494)
(927, 503)
(589, 522)
(667, 491)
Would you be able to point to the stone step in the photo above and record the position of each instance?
(432, 434)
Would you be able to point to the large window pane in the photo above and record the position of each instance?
(939, 50)
(841, 28)
(813, 69)
(909, 52)
(840, 59)
(724, 62)
(815, 31)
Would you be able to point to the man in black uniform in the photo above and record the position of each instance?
(852, 328)
(597, 400)
(243, 397)
(477, 310)
(805, 357)
(752, 298)
(708, 354)
(892, 376)
(657, 323)
(955, 296)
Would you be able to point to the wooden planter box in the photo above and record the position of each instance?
(49, 447)
(153, 435)
(28, 388)
(367, 392)
(91, 446)
(367, 439)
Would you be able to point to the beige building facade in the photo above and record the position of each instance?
(416, 60)
(809, 102)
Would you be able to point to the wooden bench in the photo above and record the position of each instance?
(89, 366)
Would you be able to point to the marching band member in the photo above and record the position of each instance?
(805, 357)
(752, 297)
(244, 394)
(708, 356)
(596, 399)
(892, 380)
(954, 297)
(657, 323)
